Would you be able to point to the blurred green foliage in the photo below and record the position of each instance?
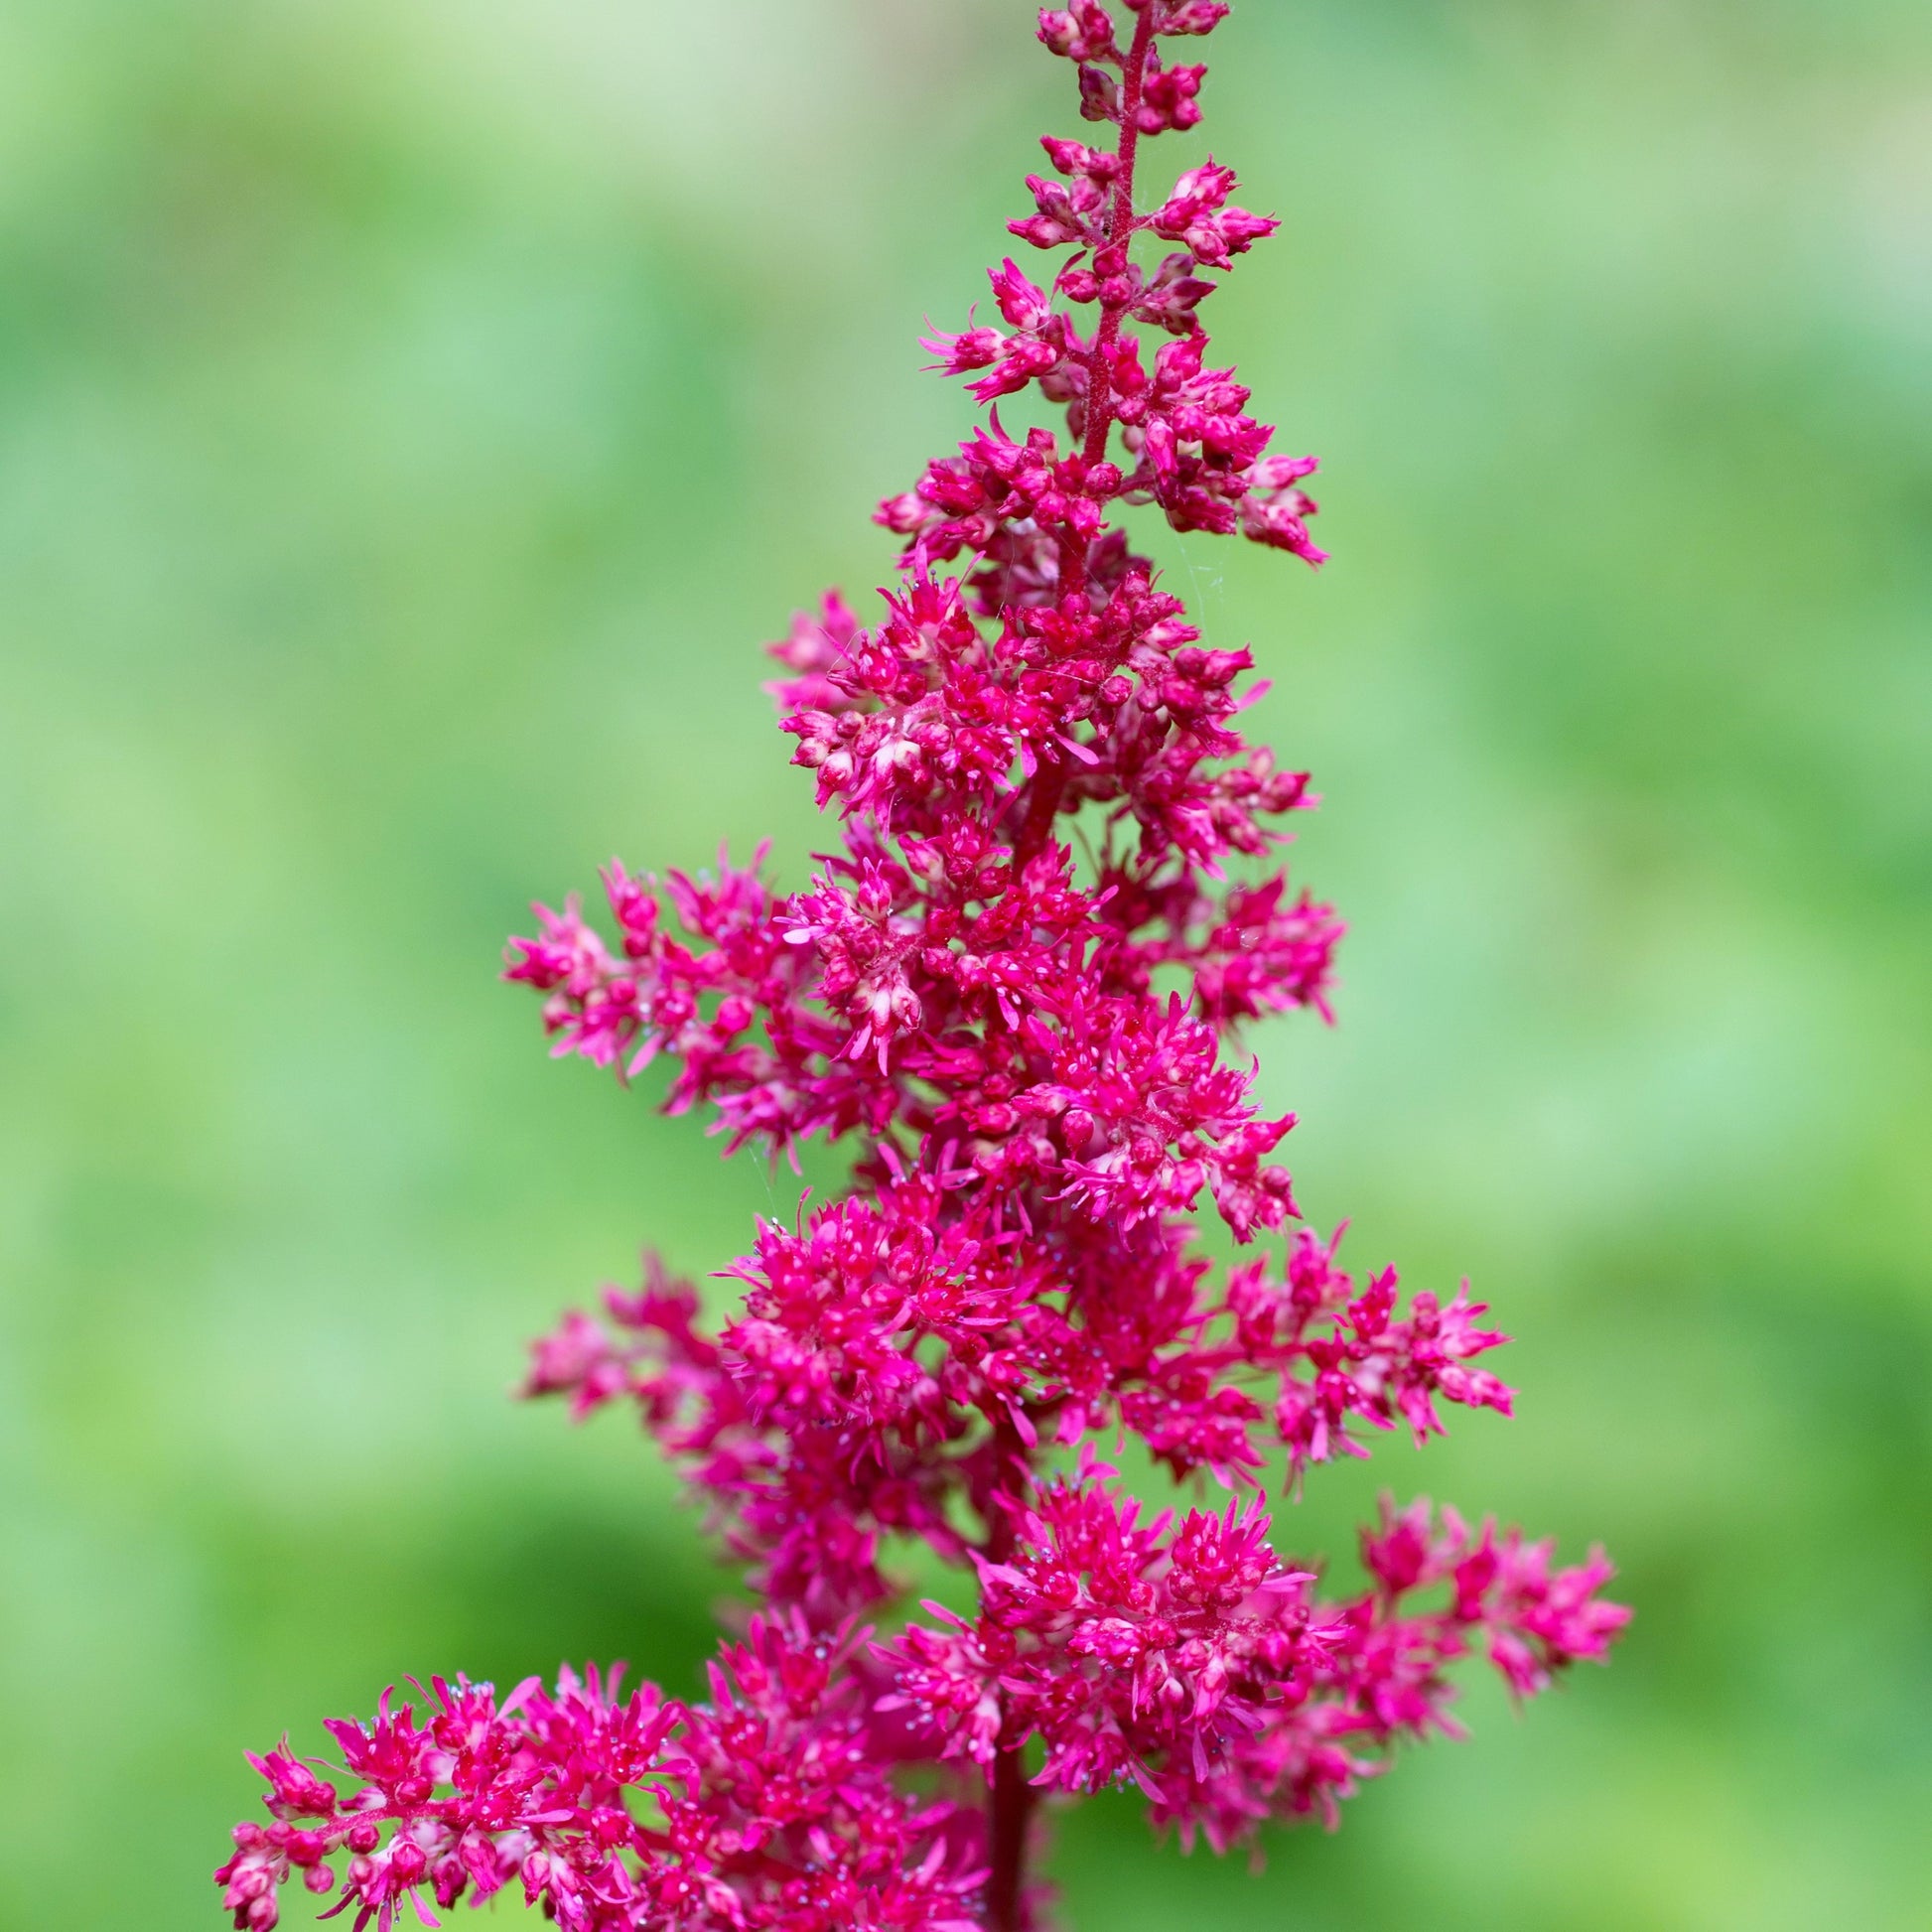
(413, 415)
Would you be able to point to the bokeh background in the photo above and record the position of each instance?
(414, 414)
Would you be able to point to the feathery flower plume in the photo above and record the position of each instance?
(1018, 991)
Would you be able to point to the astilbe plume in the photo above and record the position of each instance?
(1030, 1051)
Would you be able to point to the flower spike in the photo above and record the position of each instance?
(1020, 987)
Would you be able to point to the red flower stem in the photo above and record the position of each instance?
(1011, 1810)
(1120, 225)
(1010, 1804)
(1050, 782)
(1043, 806)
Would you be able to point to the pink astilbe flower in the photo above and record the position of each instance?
(1019, 989)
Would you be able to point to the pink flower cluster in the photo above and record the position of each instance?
(766, 1806)
(1014, 991)
(1190, 1660)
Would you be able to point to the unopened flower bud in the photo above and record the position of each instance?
(1099, 95)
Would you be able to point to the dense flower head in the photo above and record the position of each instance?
(1019, 989)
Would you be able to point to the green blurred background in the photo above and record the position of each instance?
(413, 416)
